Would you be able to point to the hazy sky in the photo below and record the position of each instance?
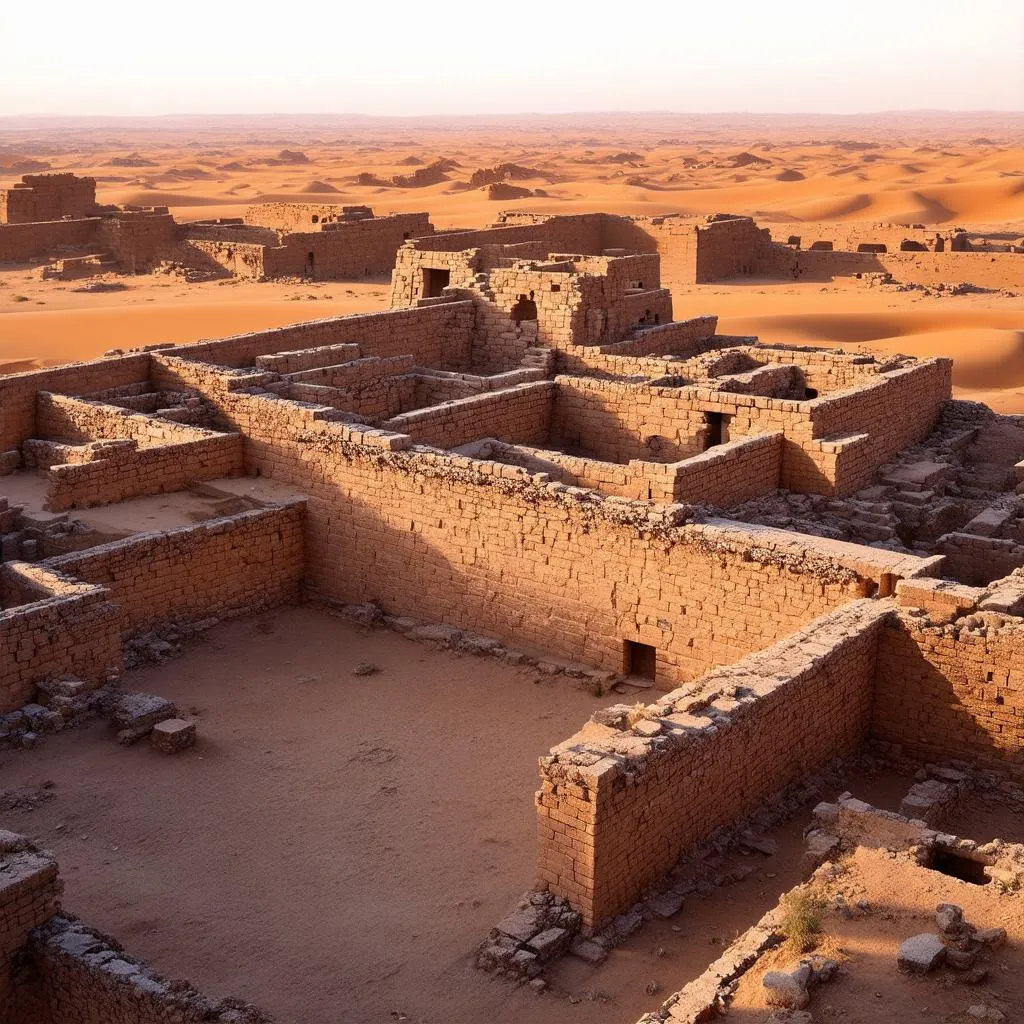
(509, 56)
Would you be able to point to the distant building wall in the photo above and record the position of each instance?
(39, 197)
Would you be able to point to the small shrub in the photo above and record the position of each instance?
(20, 298)
(801, 922)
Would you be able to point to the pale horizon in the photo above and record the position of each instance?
(116, 59)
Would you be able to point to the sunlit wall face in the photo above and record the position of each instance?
(405, 57)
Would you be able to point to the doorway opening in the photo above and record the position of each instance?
(639, 660)
(435, 281)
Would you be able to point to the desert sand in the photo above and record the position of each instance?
(933, 169)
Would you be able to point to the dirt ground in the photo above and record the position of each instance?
(336, 845)
(902, 898)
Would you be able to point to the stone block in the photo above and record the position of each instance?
(173, 735)
(921, 953)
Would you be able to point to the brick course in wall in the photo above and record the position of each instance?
(618, 806)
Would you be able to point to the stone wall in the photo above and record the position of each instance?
(437, 335)
(18, 390)
(953, 691)
(223, 567)
(53, 625)
(47, 197)
(519, 414)
(730, 473)
(30, 892)
(440, 536)
(619, 803)
(139, 239)
(19, 242)
(978, 560)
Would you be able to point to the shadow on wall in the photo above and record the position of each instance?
(940, 700)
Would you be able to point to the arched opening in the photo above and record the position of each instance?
(524, 309)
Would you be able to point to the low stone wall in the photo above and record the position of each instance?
(55, 970)
(30, 892)
(730, 473)
(133, 472)
(519, 414)
(978, 560)
(63, 626)
(622, 800)
(230, 566)
(308, 358)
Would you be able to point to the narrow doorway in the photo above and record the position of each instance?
(639, 660)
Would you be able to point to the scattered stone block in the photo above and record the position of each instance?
(521, 925)
(993, 938)
(549, 943)
(173, 735)
(365, 668)
(665, 905)
(589, 951)
(788, 989)
(921, 953)
(135, 714)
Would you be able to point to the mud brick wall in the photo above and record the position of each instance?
(70, 627)
(47, 197)
(616, 421)
(678, 338)
(64, 418)
(519, 414)
(345, 250)
(139, 239)
(24, 241)
(979, 560)
(897, 411)
(30, 892)
(243, 259)
(18, 390)
(953, 691)
(438, 335)
(730, 473)
(229, 566)
(308, 358)
(132, 473)
(618, 806)
(730, 248)
(823, 371)
(355, 371)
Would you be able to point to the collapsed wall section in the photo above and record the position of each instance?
(620, 803)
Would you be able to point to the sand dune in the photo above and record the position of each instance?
(927, 169)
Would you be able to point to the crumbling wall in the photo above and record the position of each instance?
(953, 691)
(439, 536)
(139, 239)
(43, 197)
(230, 566)
(620, 803)
(64, 626)
(20, 242)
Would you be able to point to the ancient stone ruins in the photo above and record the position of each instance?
(805, 555)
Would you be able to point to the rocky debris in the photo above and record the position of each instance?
(589, 951)
(921, 953)
(26, 800)
(159, 645)
(135, 714)
(791, 989)
(979, 1011)
(60, 704)
(992, 938)
(541, 928)
(759, 844)
(366, 668)
(173, 735)
(930, 801)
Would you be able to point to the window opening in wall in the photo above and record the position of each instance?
(639, 660)
(955, 865)
(556, 287)
(716, 429)
(406, 235)
(316, 219)
(524, 309)
(435, 280)
(810, 392)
